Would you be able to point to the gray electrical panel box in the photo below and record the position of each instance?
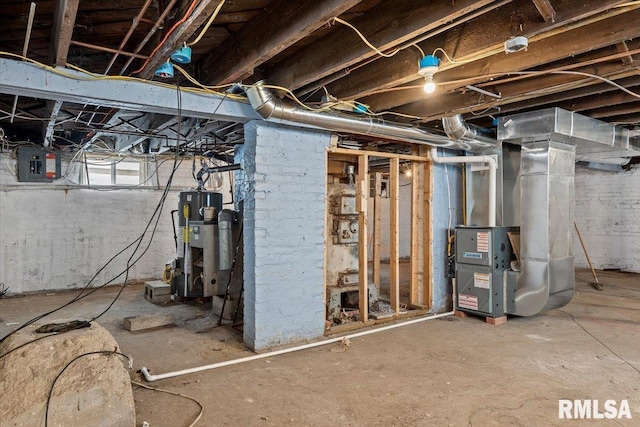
(483, 254)
(37, 165)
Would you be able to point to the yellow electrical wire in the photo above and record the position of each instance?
(167, 278)
(364, 39)
(206, 27)
(92, 76)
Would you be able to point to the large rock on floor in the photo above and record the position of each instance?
(95, 390)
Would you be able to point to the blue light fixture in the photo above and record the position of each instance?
(165, 71)
(429, 65)
(182, 55)
(360, 108)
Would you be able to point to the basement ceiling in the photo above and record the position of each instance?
(581, 56)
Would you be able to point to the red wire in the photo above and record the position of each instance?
(180, 22)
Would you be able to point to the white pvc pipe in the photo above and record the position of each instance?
(149, 377)
(493, 167)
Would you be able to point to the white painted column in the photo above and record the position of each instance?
(284, 193)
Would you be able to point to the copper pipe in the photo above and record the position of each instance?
(134, 25)
(107, 49)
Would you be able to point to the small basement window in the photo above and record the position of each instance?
(112, 172)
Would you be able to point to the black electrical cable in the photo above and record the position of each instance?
(76, 298)
(105, 352)
(25, 344)
(139, 240)
(157, 211)
(80, 296)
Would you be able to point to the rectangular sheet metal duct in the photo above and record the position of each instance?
(592, 138)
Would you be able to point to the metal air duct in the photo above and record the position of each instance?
(274, 109)
(547, 276)
(458, 130)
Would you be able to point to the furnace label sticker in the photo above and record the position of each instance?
(481, 280)
(474, 255)
(468, 301)
(482, 241)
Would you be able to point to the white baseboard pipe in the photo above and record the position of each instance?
(493, 167)
(149, 377)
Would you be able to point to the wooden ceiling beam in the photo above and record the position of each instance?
(180, 35)
(64, 18)
(281, 25)
(555, 48)
(579, 99)
(473, 102)
(629, 119)
(614, 110)
(386, 25)
(546, 10)
(475, 40)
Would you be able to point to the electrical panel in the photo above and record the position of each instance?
(38, 165)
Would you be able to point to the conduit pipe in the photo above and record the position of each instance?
(493, 166)
(149, 377)
(276, 110)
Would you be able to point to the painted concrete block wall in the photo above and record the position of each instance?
(447, 214)
(57, 235)
(284, 211)
(607, 209)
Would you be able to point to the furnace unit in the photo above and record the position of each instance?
(483, 256)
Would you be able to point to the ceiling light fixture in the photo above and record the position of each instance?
(516, 44)
(165, 71)
(429, 65)
(182, 55)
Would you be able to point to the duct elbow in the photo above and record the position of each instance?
(262, 101)
(458, 130)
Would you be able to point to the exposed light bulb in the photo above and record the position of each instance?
(429, 65)
(429, 86)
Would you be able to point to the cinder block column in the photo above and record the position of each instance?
(284, 192)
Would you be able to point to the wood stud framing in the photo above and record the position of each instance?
(421, 280)
(362, 196)
(377, 219)
(394, 240)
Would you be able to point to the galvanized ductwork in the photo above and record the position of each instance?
(547, 276)
(458, 130)
(548, 140)
(271, 108)
(552, 140)
(595, 140)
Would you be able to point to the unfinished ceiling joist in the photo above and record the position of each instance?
(291, 22)
(64, 18)
(342, 48)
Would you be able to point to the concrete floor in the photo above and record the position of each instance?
(450, 371)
